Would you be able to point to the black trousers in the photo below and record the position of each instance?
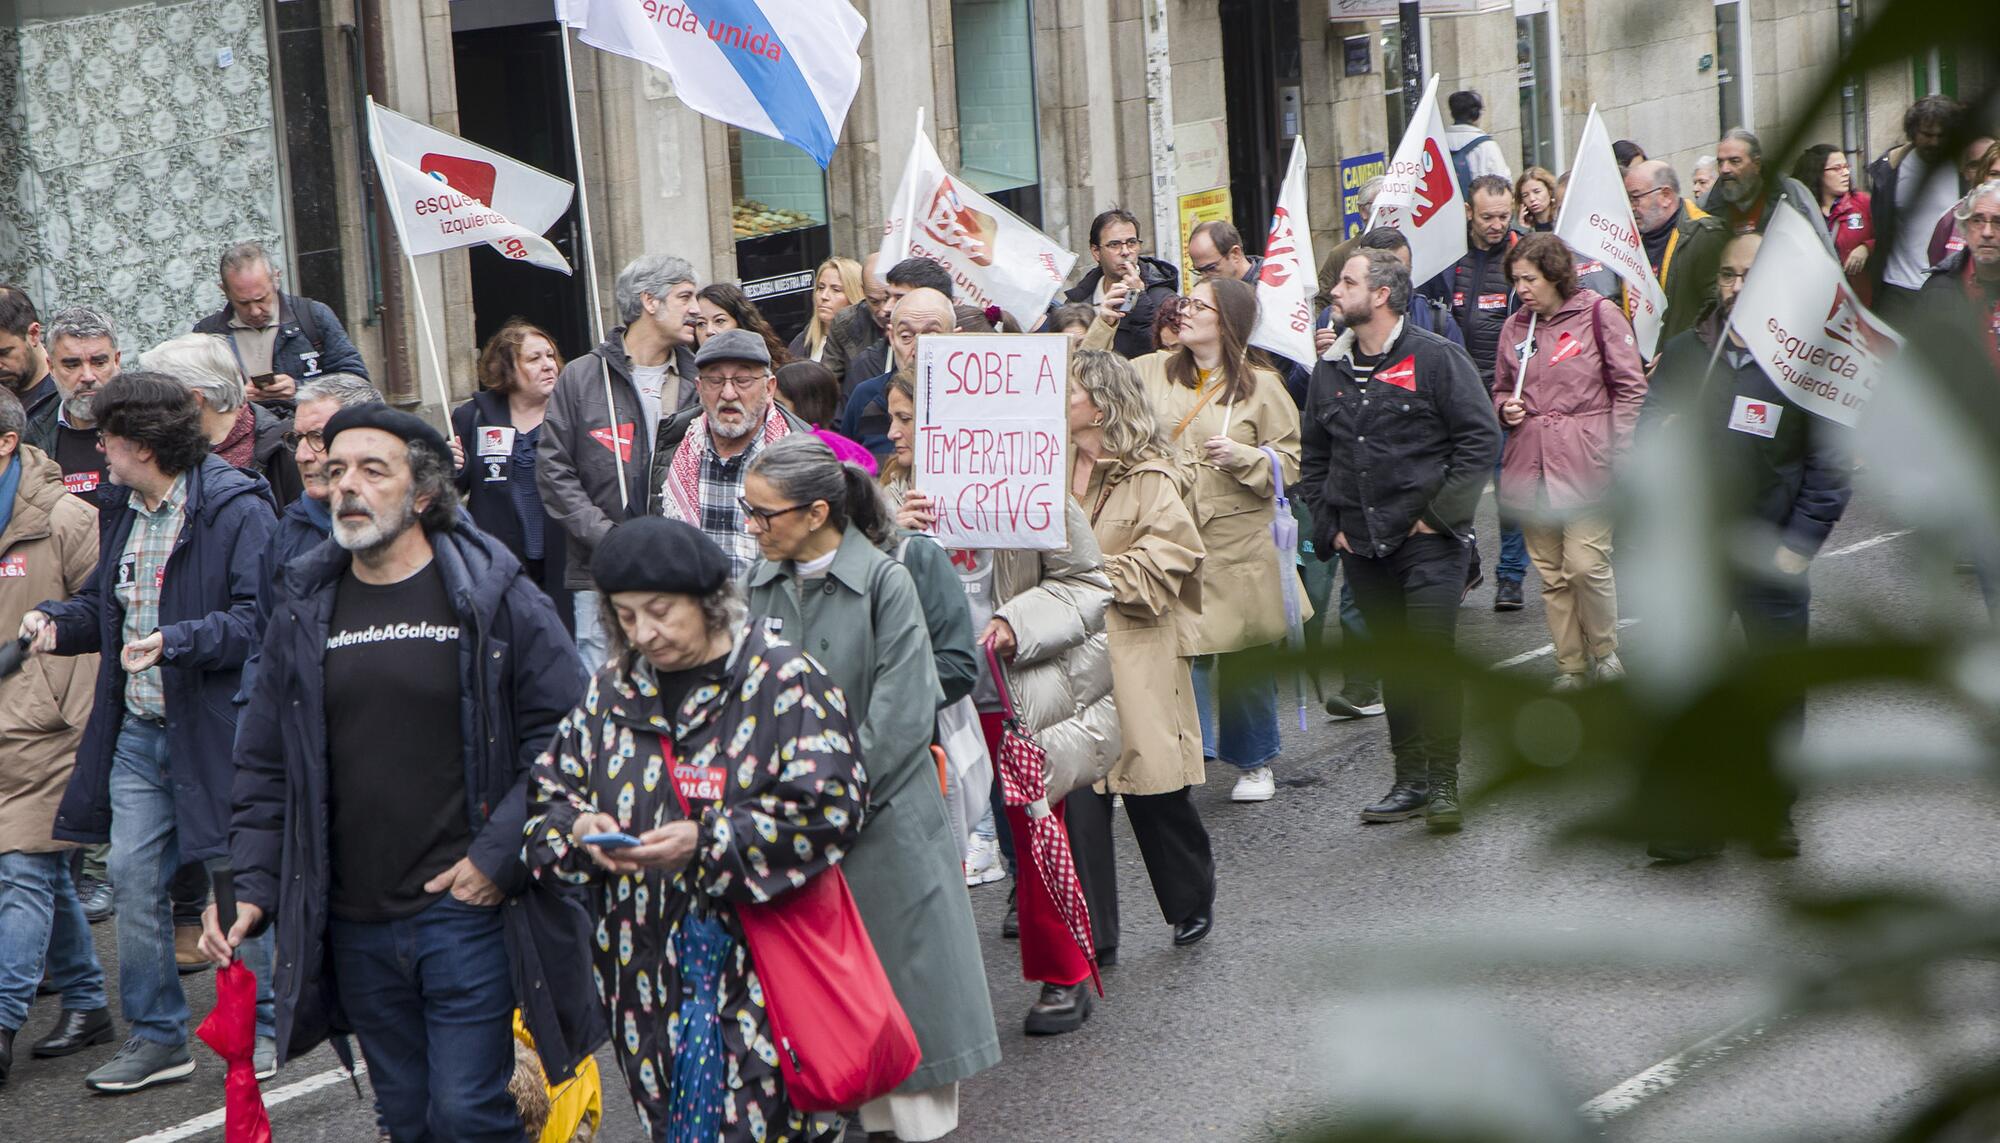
(1412, 595)
(1173, 842)
(189, 893)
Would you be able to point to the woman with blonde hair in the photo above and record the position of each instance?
(836, 286)
(1133, 491)
(1535, 190)
(1221, 409)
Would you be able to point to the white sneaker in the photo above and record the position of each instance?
(1255, 786)
(982, 861)
(1569, 681)
(1609, 669)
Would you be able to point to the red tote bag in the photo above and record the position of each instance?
(842, 1037)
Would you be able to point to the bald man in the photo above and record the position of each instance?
(921, 311)
(861, 326)
(1683, 244)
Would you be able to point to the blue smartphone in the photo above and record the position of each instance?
(610, 840)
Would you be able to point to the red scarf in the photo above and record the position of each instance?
(239, 448)
(683, 490)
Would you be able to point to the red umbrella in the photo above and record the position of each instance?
(231, 1029)
(1022, 766)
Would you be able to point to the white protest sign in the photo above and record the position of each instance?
(1597, 222)
(993, 257)
(445, 193)
(1811, 334)
(1420, 194)
(1290, 275)
(992, 433)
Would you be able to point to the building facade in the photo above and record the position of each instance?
(142, 137)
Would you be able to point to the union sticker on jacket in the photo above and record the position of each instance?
(496, 440)
(1758, 418)
(1566, 348)
(1403, 374)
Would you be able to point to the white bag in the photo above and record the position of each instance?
(970, 768)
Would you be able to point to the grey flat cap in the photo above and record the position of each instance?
(734, 345)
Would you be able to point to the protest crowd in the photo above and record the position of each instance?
(724, 718)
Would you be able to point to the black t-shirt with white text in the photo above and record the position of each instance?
(82, 465)
(395, 758)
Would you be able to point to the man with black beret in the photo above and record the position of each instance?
(411, 672)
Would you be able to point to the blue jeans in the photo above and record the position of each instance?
(1513, 565)
(1238, 707)
(432, 1002)
(145, 854)
(593, 646)
(39, 913)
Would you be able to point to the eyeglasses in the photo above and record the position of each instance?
(1120, 244)
(1641, 196)
(1208, 269)
(293, 437)
(1191, 306)
(1981, 222)
(1727, 276)
(742, 384)
(764, 516)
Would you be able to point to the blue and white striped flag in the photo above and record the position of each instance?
(784, 68)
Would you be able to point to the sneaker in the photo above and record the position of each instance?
(265, 1058)
(187, 950)
(1362, 701)
(141, 1064)
(1507, 595)
(1569, 681)
(1254, 786)
(1609, 669)
(982, 861)
(95, 896)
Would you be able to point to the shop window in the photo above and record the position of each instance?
(999, 146)
(775, 186)
(1540, 78)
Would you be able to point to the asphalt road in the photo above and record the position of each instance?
(1356, 967)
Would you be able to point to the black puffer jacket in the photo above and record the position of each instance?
(1135, 333)
(1416, 442)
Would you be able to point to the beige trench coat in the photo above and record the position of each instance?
(1153, 557)
(48, 551)
(1244, 603)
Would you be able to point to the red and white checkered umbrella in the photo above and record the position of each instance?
(1022, 769)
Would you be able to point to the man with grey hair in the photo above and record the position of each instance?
(1403, 530)
(701, 479)
(1744, 195)
(1682, 247)
(306, 522)
(83, 356)
(251, 437)
(1701, 178)
(603, 423)
(279, 339)
(1964, 289)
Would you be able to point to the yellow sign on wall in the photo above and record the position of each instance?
(1201, 206)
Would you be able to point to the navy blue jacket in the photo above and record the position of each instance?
(491, 502)
(208, 624)
(519, 676)
(866, 420)
(295, 353)
(304, 525)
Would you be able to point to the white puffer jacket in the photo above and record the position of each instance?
(1060, 675)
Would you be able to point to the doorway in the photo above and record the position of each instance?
(1262, 98)
(512, 97)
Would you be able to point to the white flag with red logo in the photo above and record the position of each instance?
(1597, 222)
(1420, 194)
(445, 193)
(993, 257)
(1288, 280)
(1811, 334)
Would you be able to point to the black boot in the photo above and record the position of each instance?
(1010, 925)
(1061, 1008)
(74, 1031)
(1442, 814)
(1404, 801)
(6, 1053)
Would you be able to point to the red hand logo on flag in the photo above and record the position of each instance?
(1278, 251)
(469, 177)
(1844, 323)
(959, 226)
(1403, 374)
(1435, 190)
(618, 440)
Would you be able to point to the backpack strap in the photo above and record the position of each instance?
(302, 312)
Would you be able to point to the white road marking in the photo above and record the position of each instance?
(1859, 546)
(272, 1098)
(1670, 1071)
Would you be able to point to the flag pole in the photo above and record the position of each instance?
(430, 342)
(590, 277)
(1521, 374)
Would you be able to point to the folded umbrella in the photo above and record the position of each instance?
(231, 1029)
(1022, 765)
(1285, 536)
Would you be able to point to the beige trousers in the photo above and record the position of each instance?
(1573, 557)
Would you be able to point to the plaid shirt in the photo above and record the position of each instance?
(721, 516)
(141, 571)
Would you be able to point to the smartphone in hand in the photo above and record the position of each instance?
(610, 840)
